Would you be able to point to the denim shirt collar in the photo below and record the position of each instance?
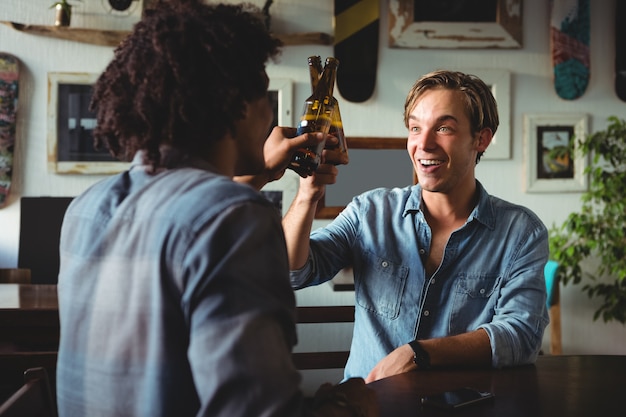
(484, 211)
(173, 158)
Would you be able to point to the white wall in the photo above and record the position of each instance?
(531, 92)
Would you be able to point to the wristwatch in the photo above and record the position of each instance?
(420, 356)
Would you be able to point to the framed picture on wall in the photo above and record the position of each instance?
(70, 123)
(393, 169)
(281, 97)
(499, 82)
(283, 191)
(552, 159)
(70, 127)
(455, 24)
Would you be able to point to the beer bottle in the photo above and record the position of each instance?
(316, 117)
(315, 70)
(336, 126)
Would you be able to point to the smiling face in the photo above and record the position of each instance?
(441, 144)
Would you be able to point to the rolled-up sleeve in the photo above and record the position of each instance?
(516, 330)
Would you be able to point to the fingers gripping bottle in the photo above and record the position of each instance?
(316, 117)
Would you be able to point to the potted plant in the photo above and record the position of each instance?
(63, 15)
(590, 246)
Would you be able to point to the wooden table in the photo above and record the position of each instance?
(29, 317)
(29, 333)
(555, 386)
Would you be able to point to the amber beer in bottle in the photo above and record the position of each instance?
(336, 125)
(316, 117)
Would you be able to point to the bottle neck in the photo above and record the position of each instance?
(325, 87)
(315, 71)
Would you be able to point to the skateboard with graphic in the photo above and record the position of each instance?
(356, 47)
(569, 39)
(9, 78)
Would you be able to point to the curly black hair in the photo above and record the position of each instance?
(181, 78)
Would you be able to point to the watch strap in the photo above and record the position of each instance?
(420, 356)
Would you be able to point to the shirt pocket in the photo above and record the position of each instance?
(474, 302)
(380, 286)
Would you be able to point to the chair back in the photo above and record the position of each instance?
(39, 236)
(323, 314)
(553, 302)
(14, 364)
(552, 282)
(33, 399)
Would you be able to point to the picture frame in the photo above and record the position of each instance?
(416, 24)
(282, 192)
(281, 96)
(358, 176)
(553, 161)
(500, 83)
(70, 124)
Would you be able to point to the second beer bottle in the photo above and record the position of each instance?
(316, 117)
(336, 124)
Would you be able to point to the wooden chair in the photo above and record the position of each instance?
(14, 276)
(33, 399)
(14, 364)
(323, 314)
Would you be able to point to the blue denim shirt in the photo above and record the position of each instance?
(174, 300)
(490, 277)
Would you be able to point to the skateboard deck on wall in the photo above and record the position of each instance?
(9, 77)
(356, 47)
(569, 39)
(620, 50)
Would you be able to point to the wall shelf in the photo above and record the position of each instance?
(114, 37)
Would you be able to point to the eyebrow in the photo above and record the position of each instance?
(440, 119)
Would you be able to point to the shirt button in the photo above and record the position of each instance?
(482, 290)
(432, 281)
(385, 264)
(422, 251)
(426, 313)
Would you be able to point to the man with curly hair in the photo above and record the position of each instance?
(174, 295)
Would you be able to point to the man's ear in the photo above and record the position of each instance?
(246, 108)
(484, 139)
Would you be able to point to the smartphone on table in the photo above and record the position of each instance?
(458, 398)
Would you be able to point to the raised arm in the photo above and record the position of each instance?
(298, 221)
